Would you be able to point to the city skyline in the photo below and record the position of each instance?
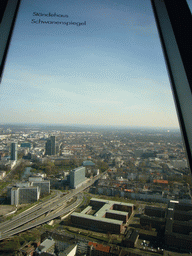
(109, 71)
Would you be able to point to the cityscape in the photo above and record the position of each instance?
(92, 160)
(77, 190)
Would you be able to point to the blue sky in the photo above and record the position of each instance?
(110, 71)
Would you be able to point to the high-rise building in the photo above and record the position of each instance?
(43, 185)
(24, 195)
(77, 177)
(14, 151)
(50, 147)
(53, 145)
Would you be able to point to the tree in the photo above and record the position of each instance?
(187, 179)
(103, 166)
(48, 170)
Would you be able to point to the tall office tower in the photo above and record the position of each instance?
(77, 177)
(53, 145)
(14, 151)
(50, 147)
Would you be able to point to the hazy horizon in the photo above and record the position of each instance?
(167, 129)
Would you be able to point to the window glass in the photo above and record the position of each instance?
(91, 63)
(190, 4)
(97, 68)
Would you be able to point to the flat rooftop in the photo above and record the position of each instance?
(111, 202)
(105, 208)
(97, 218)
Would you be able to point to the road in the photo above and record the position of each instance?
(52, 208)
(56, 213)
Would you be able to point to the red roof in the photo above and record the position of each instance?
(160, 181)
(128, 190)
(100, 247)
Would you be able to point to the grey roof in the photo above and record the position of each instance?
(68, 250)
(86, 209)
(117, 212)
(111, 202)
(45, 245)
(88, 163)
(97, 218)
(99, 215)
